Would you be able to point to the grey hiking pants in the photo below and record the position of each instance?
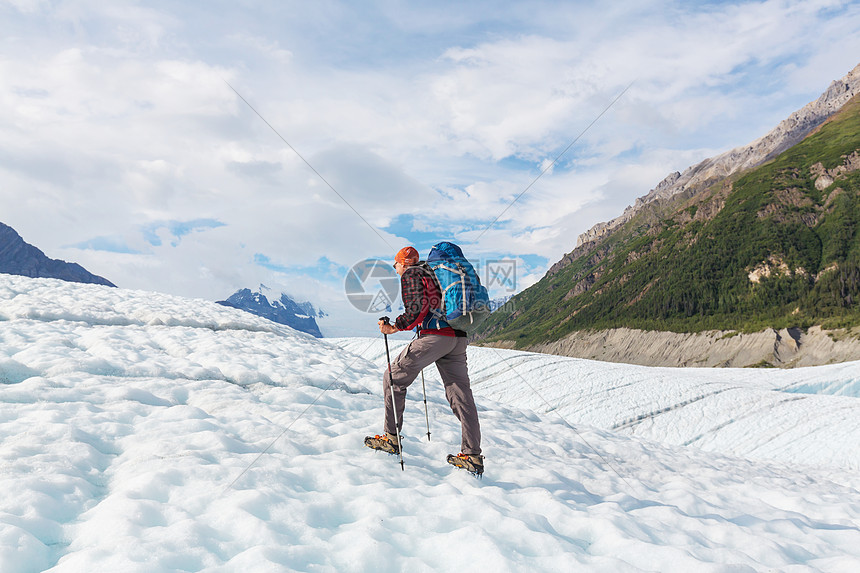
(449, 354)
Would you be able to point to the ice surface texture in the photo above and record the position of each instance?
(125, 416)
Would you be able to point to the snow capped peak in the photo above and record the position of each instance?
(285, 310)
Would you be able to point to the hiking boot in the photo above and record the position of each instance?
(385, 443)
(470, 463)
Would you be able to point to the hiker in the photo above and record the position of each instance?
(436, 342)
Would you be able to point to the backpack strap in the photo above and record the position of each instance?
(435, 318)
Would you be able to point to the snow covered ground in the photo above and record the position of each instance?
(805, 416)
(144, 432)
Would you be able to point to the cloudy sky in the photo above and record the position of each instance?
(124, 147)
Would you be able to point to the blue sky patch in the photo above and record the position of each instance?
(404, 226)
(107, 244)
(178, 229)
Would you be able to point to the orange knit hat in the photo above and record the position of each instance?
(407, 255)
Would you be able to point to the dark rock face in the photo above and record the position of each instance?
(20, 258)
(300, 316)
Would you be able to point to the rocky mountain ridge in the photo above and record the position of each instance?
(17, 257)
(698, 177)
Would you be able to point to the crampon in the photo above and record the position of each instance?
(382, 443)
(472, 464)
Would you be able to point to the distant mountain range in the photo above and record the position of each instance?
(299, 315)
(18, 257)
(761, 237)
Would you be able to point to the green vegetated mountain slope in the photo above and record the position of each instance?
(776, 246)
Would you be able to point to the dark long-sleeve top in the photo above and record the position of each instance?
(420, 292)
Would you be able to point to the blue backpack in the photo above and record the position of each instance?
(465, 302)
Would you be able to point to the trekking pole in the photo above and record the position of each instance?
(387, 320)
(426, 415)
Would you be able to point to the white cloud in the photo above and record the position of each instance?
(114, 118)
